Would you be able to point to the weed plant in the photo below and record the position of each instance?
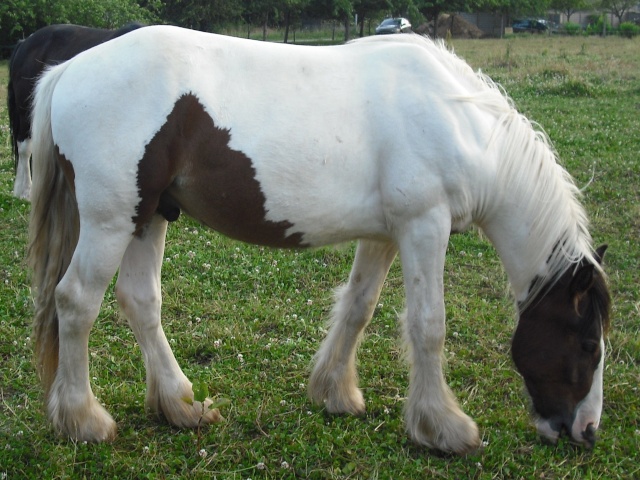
(245, 321)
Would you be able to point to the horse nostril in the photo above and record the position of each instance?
(589, 435)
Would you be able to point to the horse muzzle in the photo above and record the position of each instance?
(581, 434)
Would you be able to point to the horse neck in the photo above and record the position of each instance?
(534, 218)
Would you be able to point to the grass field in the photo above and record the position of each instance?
(247, 321)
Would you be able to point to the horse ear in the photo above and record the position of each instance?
(599, 253)
(582, 280)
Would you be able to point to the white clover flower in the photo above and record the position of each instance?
(202, 453)
(285, 465)
(261, 466)
(145, 450)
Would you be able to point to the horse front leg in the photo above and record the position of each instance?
(139, 295)
(333, 381)
(433, 417)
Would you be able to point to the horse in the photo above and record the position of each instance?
(393, 142)
(48, 46)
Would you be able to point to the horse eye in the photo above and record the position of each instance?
(589, 346)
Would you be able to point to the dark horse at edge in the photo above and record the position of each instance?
(48, 46)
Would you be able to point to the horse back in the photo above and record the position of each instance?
(269, 144)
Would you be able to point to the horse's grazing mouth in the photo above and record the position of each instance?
(552, 433)
(558, 348)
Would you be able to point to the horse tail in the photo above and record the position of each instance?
(12, 107)
(53, 227)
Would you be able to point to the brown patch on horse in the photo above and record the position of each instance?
(189, 166)
(67, 169)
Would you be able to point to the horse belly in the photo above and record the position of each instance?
(241, 197)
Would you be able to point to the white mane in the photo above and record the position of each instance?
(529, 171)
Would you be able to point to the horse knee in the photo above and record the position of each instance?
(77, 310)
(138, 304)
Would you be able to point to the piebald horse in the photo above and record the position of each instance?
(394, 142)
(48, 46)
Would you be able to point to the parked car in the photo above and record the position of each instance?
(530, 26)
(393, 25)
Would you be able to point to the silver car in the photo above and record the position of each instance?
(393, 25)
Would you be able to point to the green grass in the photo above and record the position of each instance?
(247, 321)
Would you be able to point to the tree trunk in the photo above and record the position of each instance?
(287, 20)
(346, 27)
(264, 28)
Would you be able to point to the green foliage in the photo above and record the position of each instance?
(20, 18)
(248, 320)
(571, 28)
(628, 29)
(598, 25)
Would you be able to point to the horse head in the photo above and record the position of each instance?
(558, 348)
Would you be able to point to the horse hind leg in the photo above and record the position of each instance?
(22, 184)
(71, 405)
(333, 381)
(139, 295)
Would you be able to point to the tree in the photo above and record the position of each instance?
(366, 8)
(203, 15)
(513, 7)
(340, 10)
(568, 7)
(291, 10)
(20, 18)
(618, 7)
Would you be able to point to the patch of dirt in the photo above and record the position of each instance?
(459, 27)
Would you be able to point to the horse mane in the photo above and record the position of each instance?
(529, 170)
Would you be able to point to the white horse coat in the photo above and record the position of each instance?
(393, 141)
